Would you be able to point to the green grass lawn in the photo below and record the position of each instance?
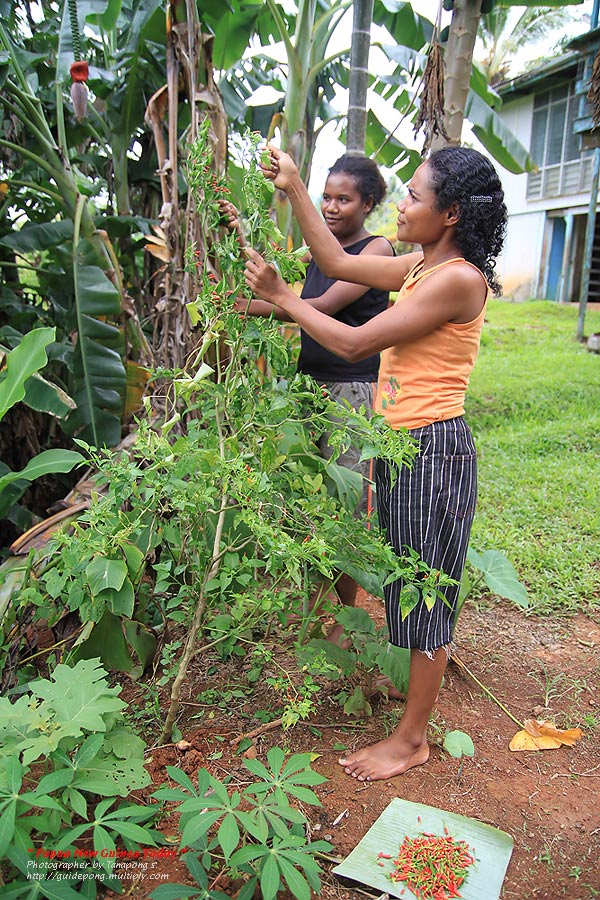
(534, 407)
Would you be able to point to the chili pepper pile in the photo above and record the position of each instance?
(433, 867)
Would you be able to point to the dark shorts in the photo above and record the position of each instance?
(430, 508)
(357, 393)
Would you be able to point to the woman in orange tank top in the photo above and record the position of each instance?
(429, 340)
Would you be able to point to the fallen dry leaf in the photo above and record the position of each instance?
(543, 735)
(567, 736)
(525, 741)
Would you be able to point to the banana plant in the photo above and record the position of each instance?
(20, 366)
(306, 81)
(96, 297)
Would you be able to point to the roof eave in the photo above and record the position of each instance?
(522, 84)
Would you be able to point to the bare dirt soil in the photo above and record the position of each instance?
(549, 801)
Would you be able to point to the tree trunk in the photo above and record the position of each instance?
(189, 71)
(359, 77)
(458, 58)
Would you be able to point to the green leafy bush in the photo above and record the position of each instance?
(222, 509)
(369, 656)
(20, 365)
(63, 746)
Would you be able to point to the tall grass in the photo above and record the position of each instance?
(534, 407)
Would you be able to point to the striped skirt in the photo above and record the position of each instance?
(430, 508)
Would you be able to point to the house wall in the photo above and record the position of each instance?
(522, 266)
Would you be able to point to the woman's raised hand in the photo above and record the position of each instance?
(280, 168)
(261, 277)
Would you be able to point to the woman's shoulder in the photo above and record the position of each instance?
(457, 284)
(455, 270)
(375, 244)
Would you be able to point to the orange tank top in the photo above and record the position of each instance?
(426, 381)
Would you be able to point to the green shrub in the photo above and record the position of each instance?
(260, 839)
(63, 746)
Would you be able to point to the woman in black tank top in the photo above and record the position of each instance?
(354, 187)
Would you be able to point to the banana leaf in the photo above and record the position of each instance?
(21, 364)
(46, 397)
(491, 848)
(99, 370)
(497, 139)
(45, 463)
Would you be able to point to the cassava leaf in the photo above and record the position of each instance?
(110, 776)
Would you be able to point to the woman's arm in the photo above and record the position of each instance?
(331, 301)
(343, 293)
(261, 308)
(451, 294)
(386, 274)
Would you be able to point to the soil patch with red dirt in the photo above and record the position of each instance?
(548, 801)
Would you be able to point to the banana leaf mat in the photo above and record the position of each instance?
(491, 848)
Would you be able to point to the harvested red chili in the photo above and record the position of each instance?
(432, 866)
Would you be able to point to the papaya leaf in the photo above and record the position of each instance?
(81, 695)
(75, 701)
(125, 744)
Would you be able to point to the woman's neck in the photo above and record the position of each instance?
(440, 252)
(353, 238)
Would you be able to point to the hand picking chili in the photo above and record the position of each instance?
(432, 866)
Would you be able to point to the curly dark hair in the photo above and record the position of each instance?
(467, 178)
(369, 180)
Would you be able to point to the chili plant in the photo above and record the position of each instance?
(215, 518)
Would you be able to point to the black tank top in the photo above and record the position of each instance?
(314, 359)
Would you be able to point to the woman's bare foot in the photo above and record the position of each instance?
(384, 759)
(337, 636)
(382, 685)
